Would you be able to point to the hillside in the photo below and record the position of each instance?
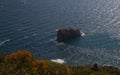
(23, 63)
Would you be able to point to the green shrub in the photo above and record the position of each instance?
(23, 63)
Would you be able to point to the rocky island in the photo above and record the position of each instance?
(65, 34)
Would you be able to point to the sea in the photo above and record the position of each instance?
(31, 25)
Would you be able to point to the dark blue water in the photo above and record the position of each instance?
(31, 25)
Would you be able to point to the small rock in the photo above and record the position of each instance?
(95, 67)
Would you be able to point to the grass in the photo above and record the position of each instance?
(23, 63)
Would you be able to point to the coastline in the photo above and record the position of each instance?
(22, 62)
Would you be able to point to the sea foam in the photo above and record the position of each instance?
(83, 34)
(60, 61)
(4, 41)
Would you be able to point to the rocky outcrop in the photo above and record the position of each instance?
(65, 34)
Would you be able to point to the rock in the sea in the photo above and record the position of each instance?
(65, 34)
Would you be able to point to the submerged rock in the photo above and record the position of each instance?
(65, 34)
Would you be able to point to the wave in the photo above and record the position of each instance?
(60, 61)
(24, 2)
(53, 39)
(83, 34)
(56, 29)
(3, 42)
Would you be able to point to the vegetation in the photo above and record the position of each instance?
(23, 63)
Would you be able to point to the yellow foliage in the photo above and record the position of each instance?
(39, 64)
(21, 54)
(25, 64)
